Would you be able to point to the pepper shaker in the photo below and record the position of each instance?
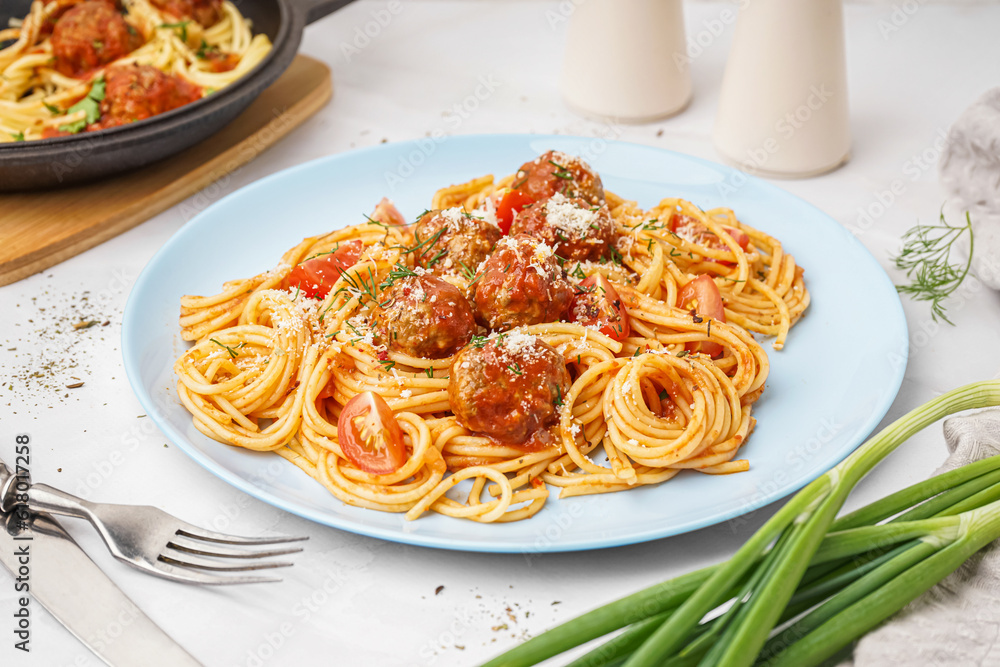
(625, 60)
(783, 105)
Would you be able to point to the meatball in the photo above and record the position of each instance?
(136, 92)
(574, 228)
(455, 241)
(205, 12)
(521, 284)
(91, 35)
(424, 316)
(508, 387)
(554, 172)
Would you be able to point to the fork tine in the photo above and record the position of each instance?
(189, 560)
(187, 545)
(187, 576)
(196, 533)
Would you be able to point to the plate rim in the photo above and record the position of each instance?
(474, 545)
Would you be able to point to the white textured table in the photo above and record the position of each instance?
(352, 600)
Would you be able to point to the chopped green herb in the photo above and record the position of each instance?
(466, 271)
(90, 105)
(183, 25)
(561, 171)
(205, 50)
(233, 351)
(436, 258)
(399, 271)
(616, 256)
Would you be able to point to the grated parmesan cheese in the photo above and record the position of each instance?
(567, 217)
(518, 342)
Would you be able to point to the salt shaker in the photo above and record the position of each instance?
(626, 60)
(783, 105)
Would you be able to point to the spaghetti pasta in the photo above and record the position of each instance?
(62, 49)
(636, 370)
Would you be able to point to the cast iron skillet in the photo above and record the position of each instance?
(61, 161)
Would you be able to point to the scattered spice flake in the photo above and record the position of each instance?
(75, 385)
(437, 591)
(498, 628)
(555, 602)
(659, 132)
(85, 324)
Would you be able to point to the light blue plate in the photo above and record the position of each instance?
(825, 394)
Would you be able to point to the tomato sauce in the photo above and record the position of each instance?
(137, 92)
(91, 35)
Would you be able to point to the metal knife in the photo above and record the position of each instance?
(63, 579)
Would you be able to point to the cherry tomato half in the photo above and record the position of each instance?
(370, 436)
(702, 296)
(387, 213)
(691, 229)
(597, 304)
(508, 204)
(316, 276)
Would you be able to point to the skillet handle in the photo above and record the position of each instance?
(314, 10)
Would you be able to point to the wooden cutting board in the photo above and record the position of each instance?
(40, 229)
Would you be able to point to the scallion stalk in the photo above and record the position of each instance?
(935, 526)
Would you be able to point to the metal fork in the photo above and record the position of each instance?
(151, 540)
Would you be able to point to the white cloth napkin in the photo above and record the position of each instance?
(970, 173)
(957, 622)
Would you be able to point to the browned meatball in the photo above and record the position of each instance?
(91, 35)
(205, 12)
(424, 316)
(520, 284)
(574, 228)
(554, 172)
(455, 241)
(508, 386)
(136, 92)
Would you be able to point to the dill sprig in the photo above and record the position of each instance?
(398, 272)
(561, 171)
(233, 352)
(926, 258)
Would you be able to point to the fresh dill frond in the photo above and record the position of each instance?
(926, 258)
(233, 352)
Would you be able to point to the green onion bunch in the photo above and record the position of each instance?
(806, 584)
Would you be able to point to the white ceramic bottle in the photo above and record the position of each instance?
(626, 60)
(783, 105)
